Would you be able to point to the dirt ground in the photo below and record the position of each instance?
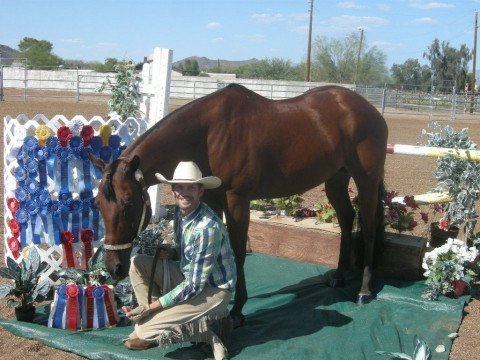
(406, 174)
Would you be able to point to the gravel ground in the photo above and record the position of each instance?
(402, 174)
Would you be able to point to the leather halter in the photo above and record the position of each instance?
(146, 202)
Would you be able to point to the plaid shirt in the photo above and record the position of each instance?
(206, 256)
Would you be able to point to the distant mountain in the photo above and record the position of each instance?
(7, 52)
(205, 63)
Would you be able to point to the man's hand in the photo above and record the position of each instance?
(136, 314)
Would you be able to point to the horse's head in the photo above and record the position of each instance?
(125, 207)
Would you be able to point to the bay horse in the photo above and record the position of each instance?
(259, 148)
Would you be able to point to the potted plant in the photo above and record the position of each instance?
(458, 176)
(28, 287)
(449, 269)
(400, 215)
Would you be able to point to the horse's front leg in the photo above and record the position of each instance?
(237, 215)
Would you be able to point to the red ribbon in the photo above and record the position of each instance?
(90, 306)
(14, 227)
(72, 292)
(14, 246)
(64, 134)
(87, 134)
(86, 236)
(108, 304)
(13, 205)
(67, 241)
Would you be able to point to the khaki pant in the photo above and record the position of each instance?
(186, 321)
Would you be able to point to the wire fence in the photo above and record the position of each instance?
(20, 82)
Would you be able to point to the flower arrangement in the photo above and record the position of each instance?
(400, 215)
(445, 265)
(326, 213)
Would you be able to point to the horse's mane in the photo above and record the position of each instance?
(107, 188)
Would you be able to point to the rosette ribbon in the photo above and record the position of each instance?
(13, 205)
(84, 177)
(14, 226)
(43, 199)
(22, 195)
(109, 306)
(52, 145)
(57, 313)
(30, 144)
(66, 177)
(43, 132)
(105, 132)
(21, 216)
(32, 187)
(20, 175)
(32, 208)
(14, 246)
(41, 156)
(73, 314)
(114, 143)
(86, 236)
(124, 133)
(55, 210)
(86, 197)
(106, 153)
(31, 165)
(95, 219)
(75, 207)
(98, 293)
(96, 144)
(67, 242)
(65, 199)
(90, 306)
(87, 134)
(64, 134)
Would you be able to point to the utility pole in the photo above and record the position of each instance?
(359, 52)
(309, 49)
(472, 100)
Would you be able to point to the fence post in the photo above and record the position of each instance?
(454, 104)
(1, 81)
(384, 98)
(78, 86)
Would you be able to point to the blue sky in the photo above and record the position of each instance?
(233, 29)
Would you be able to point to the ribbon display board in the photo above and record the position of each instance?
(50, 184)
(83, 308)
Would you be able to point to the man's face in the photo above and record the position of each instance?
(187, 196)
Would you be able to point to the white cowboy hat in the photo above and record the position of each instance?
(188, 172)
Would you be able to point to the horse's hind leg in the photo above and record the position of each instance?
(336, 189)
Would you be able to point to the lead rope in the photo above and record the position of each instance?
(166, 270)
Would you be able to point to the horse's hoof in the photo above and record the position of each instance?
(238, 320)
(363, 299)
(335, 283)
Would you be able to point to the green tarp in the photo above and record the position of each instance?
(292, 314)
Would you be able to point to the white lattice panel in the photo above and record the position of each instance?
(15, 132)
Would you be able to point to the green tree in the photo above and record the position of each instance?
(38, 52)
(448, 64)
(108, 65)
(189, 67)
(411, 75)
(271, 69)
(347, 60)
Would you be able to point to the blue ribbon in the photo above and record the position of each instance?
(21, 194)
(41, 156)
(55, 210)
(64, 154)
(60, 308)
(43, 198)
(65, 198)
(20, 175)
(31, 165)
(86, 197)
(105, 153)
(22, 217)
(85, 183)
(96, 143)
(75, 206)
(52, 145)
(98, 294)
(114, 143)
(30, 143)
(32, 208)
(21, 156)
(33, 186)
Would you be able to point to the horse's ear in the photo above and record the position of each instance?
(97, 162)
(133, 164)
